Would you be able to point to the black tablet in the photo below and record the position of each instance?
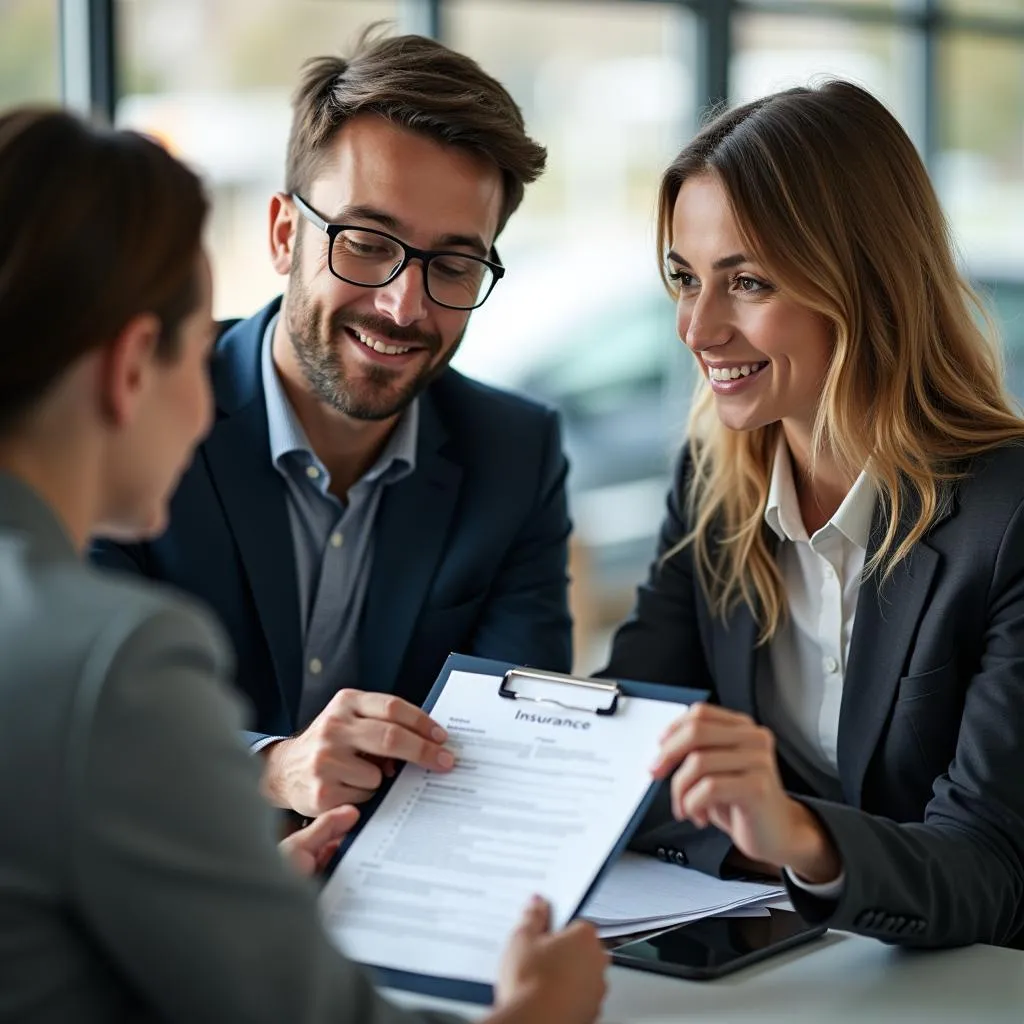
(716, 945)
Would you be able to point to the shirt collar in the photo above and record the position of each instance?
(782, 510)
(288, 439)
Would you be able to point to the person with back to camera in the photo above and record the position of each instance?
(842, 559)
(138, 874)
(360, 510)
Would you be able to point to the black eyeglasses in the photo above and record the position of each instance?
(372, 259)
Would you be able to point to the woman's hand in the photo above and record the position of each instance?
(547, 976)
(311, 848)
(726, 775)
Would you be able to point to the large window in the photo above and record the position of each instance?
(580, 320)
(980, 166)
(29, 52)
(987, 7)
(610, 91)
(979, 171)
(212, 79)
(773, 51)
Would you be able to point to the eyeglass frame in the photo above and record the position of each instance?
(409, 253)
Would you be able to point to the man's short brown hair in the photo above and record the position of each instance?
(417, 84)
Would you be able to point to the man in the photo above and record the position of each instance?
(359, 510)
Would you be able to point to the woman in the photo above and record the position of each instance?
(842, 562)
(137, 872)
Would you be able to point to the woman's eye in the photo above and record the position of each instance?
(751, 284)
(682, 278)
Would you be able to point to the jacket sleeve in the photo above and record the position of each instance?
(958, 876)
(660, 643)
(526, 617)
(171, 862)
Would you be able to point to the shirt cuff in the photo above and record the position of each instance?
(823, 890)
(264, 741)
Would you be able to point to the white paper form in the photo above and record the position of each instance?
(539, 796)
(641, 893)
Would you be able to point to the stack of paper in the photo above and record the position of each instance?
(641, 893)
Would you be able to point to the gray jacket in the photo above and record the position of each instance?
(139, 878)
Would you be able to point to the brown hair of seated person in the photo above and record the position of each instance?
(99, 226)
(836, 204)
(418, 84)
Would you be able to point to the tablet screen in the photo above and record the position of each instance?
(716, 945)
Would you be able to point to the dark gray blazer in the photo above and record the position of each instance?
(930, 819)
(138, 874)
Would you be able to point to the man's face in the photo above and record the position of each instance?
(367, 352)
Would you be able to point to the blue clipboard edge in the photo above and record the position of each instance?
(457, 989)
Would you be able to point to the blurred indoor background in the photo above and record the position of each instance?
(613, 88)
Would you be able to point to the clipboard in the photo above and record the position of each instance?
(604, 699)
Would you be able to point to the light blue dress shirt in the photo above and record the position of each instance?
(333, 539)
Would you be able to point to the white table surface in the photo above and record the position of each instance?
(841, 978)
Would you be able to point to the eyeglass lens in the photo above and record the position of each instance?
(366, 258)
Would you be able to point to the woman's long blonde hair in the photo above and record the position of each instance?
(832, 197)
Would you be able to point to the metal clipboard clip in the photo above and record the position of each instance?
(514, 675)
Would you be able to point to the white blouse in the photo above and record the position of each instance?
(800, 681)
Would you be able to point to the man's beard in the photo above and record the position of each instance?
(372, 397)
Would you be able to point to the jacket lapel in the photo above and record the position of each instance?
(886, 623)
(253, 497)
(409, 537)
(737, 660)
(737, 655)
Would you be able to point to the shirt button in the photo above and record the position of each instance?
(831, 665)
(312, 472)
(315, 666)
(337, 540)
(830, 573)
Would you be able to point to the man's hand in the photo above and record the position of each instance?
(727, 776)
(341, 758)
(310, 848)
(544, 977)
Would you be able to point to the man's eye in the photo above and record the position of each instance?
(362, 245)
(451, 270)
(364, 249)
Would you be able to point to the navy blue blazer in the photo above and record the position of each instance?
(470, 550)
